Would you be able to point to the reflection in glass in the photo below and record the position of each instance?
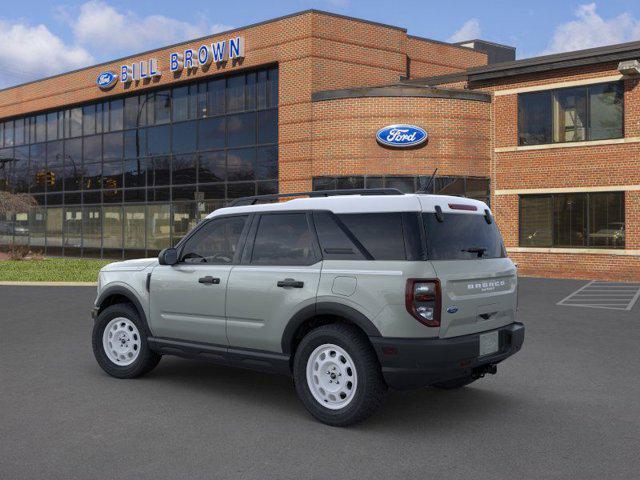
(91, 227)
(112, 227)
(158, 226)
(134, 226)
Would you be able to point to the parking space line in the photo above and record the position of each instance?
(595, 294)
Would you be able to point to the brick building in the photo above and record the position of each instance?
(123, 158)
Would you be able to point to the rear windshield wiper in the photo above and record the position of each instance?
(478, 250)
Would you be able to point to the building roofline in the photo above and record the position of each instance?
(225, 32)
(608, 53)
(496, 44)
(440, 42)
(435, 79)
(400, 90)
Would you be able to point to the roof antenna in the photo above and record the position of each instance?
(426, 188)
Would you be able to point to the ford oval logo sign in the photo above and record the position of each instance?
(106, 80)
(401, 136)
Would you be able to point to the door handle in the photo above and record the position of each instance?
(209, 280)
(290, 282)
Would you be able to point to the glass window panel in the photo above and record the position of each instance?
(180, 104)
(570, 220)
(134, 226)
(162, 106)
(201, 101)
(72, 228)
(450, 186)
(184, 169)
(135, 195)
(183, 137)
(267, 165)
(236, 93)
(211, 133)
(283, 239)
(158, 140)
(72, 198)
(268, 126)
(92, 174)
(54, 227)
(183, 193)
(21, 169)
(112, 146)
(102, 110)
(241, 164)
(261, 89)
(215, 97)
(324, 183)
(116, 115)
(52, 126)
(8, 134)
(92, 227)
(241, 129)
(158, 171)
(1, 134)
(216, 242)
(21, 228)
(570, 115)
(344, 183)
(158, 226)
(92, 197)
(478, 188)
(135, 143)
(374, 182)
(130, 115)
(6, 229)
(244, 189)
(89, 124)
(159, 194)
(213, 192)
(6, 167)
(41, 128)
(250, 91)
(606, 220)
(112, 227)
(404, 184)
(534, 118)
(273, 87)
(380, 233)
(19, 131)
(75, 122)
(536, 221)
(184, 219)
(111, 176)
(92, 149)
(54, 199)
(73, 164)
(37, 226)
(134, 173)
(55, 167)
(606, 111)
(37, 168)
(334, 242)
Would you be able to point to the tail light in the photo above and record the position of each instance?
(422, 298)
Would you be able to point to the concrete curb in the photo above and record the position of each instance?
(49, 284)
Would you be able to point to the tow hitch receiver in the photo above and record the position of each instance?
(489, 369)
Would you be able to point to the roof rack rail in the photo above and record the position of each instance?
(243, 201)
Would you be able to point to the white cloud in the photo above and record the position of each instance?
(469, 31)
(29, 52)
(107, 31)
(591, 30)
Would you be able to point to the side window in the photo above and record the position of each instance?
(334, 242)
(283, 239)
(380, 233)
(216, 242)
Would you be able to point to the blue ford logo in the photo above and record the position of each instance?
(106, 80)
(452, 309)
(401, 136)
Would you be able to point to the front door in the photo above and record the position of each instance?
(279, 276)
(187, 300)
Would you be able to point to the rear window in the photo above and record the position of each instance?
(462, 236)
(380, 233)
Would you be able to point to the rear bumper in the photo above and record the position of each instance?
(419, 362)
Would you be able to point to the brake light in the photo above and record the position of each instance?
(422, 299)
(462, 206)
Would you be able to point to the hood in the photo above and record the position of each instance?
(131, 265)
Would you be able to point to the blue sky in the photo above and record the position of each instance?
(43, 37)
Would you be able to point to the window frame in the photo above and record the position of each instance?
(552, 92)
(554, 222)
(247, 254)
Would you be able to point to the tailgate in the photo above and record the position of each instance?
(477, 295)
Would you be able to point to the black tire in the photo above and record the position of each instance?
(370, 389)
(455, 383)
(146, 360)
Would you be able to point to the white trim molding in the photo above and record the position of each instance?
(576, 251)
(551, 86)
(536, 191)
(588, 143)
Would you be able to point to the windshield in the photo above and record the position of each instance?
(462, 236)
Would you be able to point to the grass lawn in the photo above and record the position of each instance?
(51, 270)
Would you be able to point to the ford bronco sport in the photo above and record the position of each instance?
(348, 292)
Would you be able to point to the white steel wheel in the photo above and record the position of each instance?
(331, 376)
(121, 341)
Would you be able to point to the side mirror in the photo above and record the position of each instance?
(168, 256)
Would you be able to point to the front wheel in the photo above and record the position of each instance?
(119, 343)
(337, 375)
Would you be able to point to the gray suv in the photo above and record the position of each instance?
(350, 293)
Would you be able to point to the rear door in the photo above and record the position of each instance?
(278, 276)
(477, 280)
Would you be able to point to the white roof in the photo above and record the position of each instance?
(362, 204)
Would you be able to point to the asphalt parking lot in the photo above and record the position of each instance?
(567, 406)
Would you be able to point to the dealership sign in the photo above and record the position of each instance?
(401, 136)
(189, 59)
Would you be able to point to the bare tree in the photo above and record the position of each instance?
(15, 202)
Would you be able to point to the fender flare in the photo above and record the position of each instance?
(129, 295)
(326, 308)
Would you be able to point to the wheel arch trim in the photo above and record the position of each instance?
(129, 295)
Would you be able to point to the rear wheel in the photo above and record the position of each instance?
(455, 383)
(119, 343)
(337, 375)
